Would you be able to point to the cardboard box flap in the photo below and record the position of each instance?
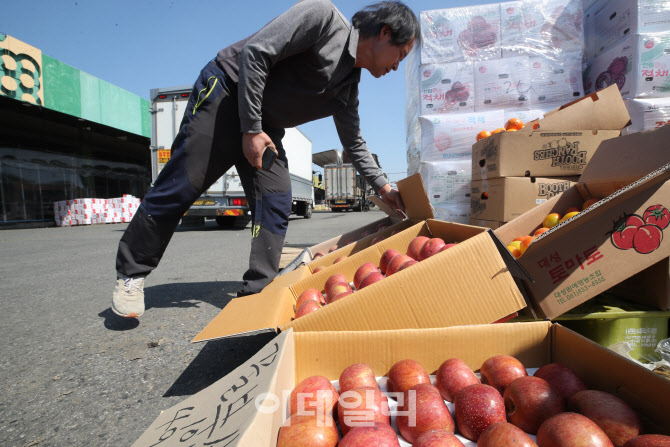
(226, 411)
(414, 197)
(602, 110)
(650, 396)
(628, 158)
(529, 342)
(426, 295)
(262, 312)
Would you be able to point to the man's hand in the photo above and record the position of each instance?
(392, 198)
(253, 145)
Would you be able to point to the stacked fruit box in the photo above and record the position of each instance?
(477, 68)
(628, 44)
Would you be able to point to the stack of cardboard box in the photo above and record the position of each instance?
(476, 68)
(514, 172)
(628, 44)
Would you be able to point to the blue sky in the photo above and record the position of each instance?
(143, 44)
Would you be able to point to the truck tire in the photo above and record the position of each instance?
(225, 221)
(366, 208)
(308, 211)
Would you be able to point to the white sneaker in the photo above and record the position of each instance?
(128, 297)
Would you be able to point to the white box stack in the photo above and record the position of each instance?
(628, 44)
(475, 68)
(95, 211)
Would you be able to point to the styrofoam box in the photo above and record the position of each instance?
(607, 22)
(502, 84)
(460, 34)
(647, 114)
(447, 185)
(451, 136)
(556, 81)
(447, 88)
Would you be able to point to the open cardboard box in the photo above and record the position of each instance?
(470, 283)
(245, 407)
(417, 209)
(560, 144)
(578, 259)
(504, 199)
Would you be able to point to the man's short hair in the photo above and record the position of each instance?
(396, 15)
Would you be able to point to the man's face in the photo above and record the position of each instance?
(386, 56)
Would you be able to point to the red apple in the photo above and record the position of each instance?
(500, 370)
(380, 227)
(407, 264)
(337, 289)
(363, 271)
(619, 421)
(357, 375)
(371, 279)
(414, 247)
(377, 435)
(561, 378)
(530, 401)
(438, 438)
(377, 239)
(448, 246)
(476, 407)
(337, 277)
(319, 268)
(315, 394)
(365, 234)
(333, 248)
(339, 296)
(308, 431)
(431, 247)
(396, 263)
(362, 406)
(318, 254)
(307, 308)
(404, 374)
(452, 375)
(573, 430)
(386, 258)
(339, 259)
(648, 441)
(309, 294)
(349, 241)
(504, 434)
(422, 410)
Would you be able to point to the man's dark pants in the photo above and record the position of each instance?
(209, 143)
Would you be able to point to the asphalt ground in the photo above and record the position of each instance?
(73, 373)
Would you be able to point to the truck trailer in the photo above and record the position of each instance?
(225, 201)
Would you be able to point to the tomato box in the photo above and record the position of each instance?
(560, 144)
(470, 283)
(610, 241)
(246, 408)
(504, 199)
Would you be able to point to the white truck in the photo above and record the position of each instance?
(225, 200)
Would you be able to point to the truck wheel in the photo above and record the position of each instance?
(308, 211)
(366, 208)
(225, 221)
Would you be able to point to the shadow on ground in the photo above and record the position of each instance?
(216, 360)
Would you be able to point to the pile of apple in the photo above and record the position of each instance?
(520, 244)
(554, 404)
(351, 240)
(391, 262)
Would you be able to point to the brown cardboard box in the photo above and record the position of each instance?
(246, 407)
(504, 199)
(651, 286)
(580, 258)
(538, 154)
(492, 224)
(560, 144)
(469, 283)
(417, 209)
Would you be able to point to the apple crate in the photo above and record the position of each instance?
(608, 320)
